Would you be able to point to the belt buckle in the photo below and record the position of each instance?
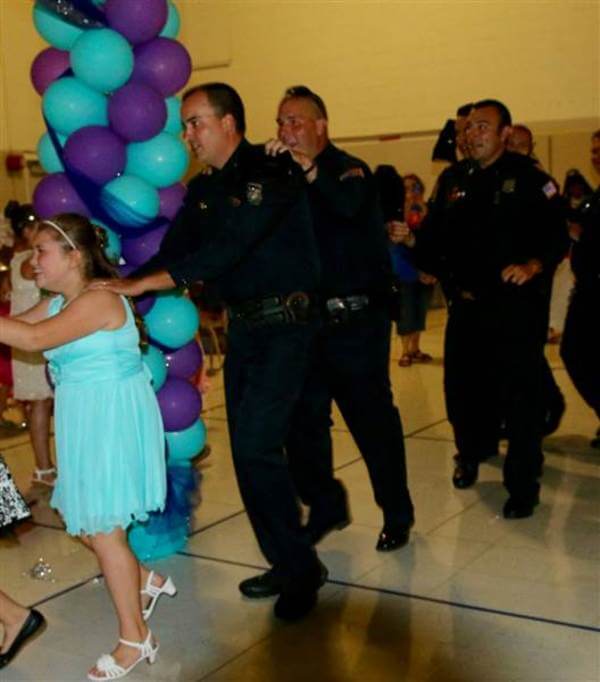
(337, 310)
(297, 305)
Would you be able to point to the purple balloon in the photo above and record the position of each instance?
(126, 269)
(138, 250)
(171, 198)
(137, 112)
(137, 20)
(96, 152)
(180, 404)
(55, 194)
(185, 361)
(49, 65)
(144, 303)
(164, 64)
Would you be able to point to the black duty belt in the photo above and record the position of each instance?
(272, 310)
(344, 308)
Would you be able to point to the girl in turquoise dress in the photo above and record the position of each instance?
(109, 434)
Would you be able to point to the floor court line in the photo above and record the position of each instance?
(420, 597)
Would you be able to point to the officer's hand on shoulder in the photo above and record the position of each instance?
(275, 147)
(521, 273)
(400, 233)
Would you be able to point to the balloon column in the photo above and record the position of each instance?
(112, 152)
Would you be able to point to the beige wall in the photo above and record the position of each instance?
(395, 67)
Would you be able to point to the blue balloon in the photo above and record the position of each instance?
(69, 104)
(103, 59)
(162, 160)
(173, 124)
(154, 360)
(47, 155)
(172, 321)
(188, 443)
(54, 30)
(130, 201)
(173, 23)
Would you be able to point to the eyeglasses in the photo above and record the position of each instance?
(306, 93)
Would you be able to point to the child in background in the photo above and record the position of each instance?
(29, 369)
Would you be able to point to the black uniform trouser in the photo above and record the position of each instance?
(494, 368)
(264, 373)
(580, 346)
(350, 364)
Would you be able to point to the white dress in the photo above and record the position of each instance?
(29, 369)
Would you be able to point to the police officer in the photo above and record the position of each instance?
(494, 234)
(579, 346)
(350, 358)
(253, 241)
(520, 141)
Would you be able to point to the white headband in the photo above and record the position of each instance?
(59, 229)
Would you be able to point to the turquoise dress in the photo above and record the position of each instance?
(110, 443)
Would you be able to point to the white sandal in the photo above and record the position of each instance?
(154, 591)
(38, 477)
(111, 670)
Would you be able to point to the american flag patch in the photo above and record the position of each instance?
(549, 189)
(353, 173)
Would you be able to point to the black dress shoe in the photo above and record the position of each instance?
(270, 584)
(34, 625)
(519, 509)
(393, 537)
(465, 475)
(260, 586)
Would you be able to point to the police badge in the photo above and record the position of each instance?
(254, 193)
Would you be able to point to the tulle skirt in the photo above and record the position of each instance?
(110, 454)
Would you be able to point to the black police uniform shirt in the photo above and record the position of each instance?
(349, 226)
(480, 220)
(245, 229)
(585, 256)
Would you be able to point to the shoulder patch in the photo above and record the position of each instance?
(550, 189)
(357, 172)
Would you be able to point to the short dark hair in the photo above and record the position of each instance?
(303, 92)
(596, 135)
(224, 100)
(20, 216)
(502, 109)
(464, 110)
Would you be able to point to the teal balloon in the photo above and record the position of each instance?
(130, 201)
(173, 124)
(113, 245)
(186, 444)
(69, 104)
(112, 250)
(103, 59)
(172, 321)
(152, 546)
(53, 29)
(154, 360)
(47, 155)
(162, 160)
(173, 23)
